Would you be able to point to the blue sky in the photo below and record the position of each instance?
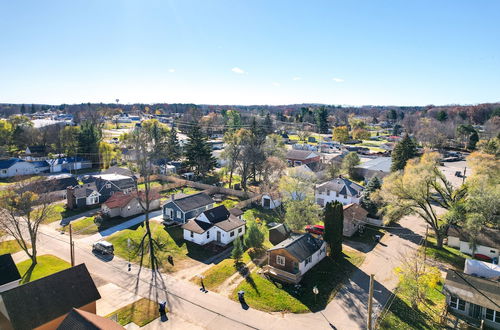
(250, 52)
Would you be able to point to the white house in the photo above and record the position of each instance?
(15, 167)
(293, 257)
(487, 242)
(214, 225)
(270, 200)
(339, 189)
(9, 275)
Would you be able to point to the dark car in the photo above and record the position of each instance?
(315, 229)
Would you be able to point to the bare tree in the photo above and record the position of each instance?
(23, 209)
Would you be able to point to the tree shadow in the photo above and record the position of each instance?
(405, 233)
(29, 272)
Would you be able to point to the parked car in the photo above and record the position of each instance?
(315, 229)
(103, 247)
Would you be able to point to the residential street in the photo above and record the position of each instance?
(213, 311)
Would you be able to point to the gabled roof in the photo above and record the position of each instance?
(382, 164)
(119, 170)
(36, 149)
(85, 190)
(479, 291)
(301, 247)
(82, 320)
(51, 184)
(35, 303)
(487, 236)
(342, 186)
(8, 269)
(121, 199)
(354, 210)
(217, 214)
(300, 154)
(7, 163)
(236, 212)
(194, 201)
(41, 163)
(197, 226)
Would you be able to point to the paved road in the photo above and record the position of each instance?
(213, 311)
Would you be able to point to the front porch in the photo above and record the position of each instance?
(282, 275)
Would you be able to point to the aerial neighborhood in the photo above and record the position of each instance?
(245, 165)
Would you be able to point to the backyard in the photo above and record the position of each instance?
(46, 265)
(141, 312)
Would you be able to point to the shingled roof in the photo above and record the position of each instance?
(8, 269)
(82, 320)
(85, 190)
(301, 247)
(35, 303)
(487, 236)
(300, 154)
(194, 201)
(121, 199)
(342, 186)
(218, 216)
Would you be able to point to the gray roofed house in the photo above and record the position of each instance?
(82, 196)
(54, 186)
(215, 224)
(46, 299)
(108, 184)
(487, 241)
(120, 170)
(473, 298)
(9, 274)
(279, 233)
(299, 157)
(78, 319)
(181, 208)
(340, 189)
(293, 257)
(379, 167)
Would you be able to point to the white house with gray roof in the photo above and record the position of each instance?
(339, 189)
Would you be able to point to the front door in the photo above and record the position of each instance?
(218, 236)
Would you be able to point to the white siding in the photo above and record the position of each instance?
(334, 196)
(480, 249)
(315, 258)
(202, 239)
(453, 242)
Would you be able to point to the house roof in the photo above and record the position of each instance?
(230, 223)
(35, 303)
(355, 211)
(8, 269)
(236, 212)
(52, 184)
(119, 170)
(36, 149)
(82, 320)
(479, 291)
(301, 247)
(381, 164)
(66, 160)
(278, 233)
(342, 186)
(7, 163)
(194, 201)
(218, 216)
(197, 226)
(41, 163)
(85, 190)
(121, 199)
(487, 236)
(300, 154)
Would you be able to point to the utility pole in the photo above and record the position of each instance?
(425, 243)
(463, 177)
(370, 303)
(71, 246)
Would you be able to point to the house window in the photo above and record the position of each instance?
(458, 304)
(328, 192)
(208, 234)
(308, 260)
(192, 234)
(4, 171)
(232, 233)
(108, 185)
(493, 315)
(179, 215)
(240, 230)
(280, 260)
(493, 251)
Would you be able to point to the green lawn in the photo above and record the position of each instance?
(260, 214)
(85, 226)
(274, 296)
(46, 265)
(171, 242)
(60, 212)
(229, 203)
(153, 185)
(9, 246)
(448, 255)
(141, 312)
(183, 190)
(402, 316)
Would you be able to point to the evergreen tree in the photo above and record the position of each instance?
(88, 141)
(334, 227)
(254, 238)
(173, 148)
(403, 151)
(23, 109)
(442, 116)
(321, 116)
(365, 201)
(199, 152)
(473, 139)
(237, 251)
(33, 110)
(268, 124)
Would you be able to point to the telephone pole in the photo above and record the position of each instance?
(425, 243)
(71, 246)
(370, 303)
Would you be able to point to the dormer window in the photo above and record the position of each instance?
(108, 185)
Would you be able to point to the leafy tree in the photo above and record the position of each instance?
(490, 146)
(233, 119)
(403, 151)
(198, 152)
(237, 251)
(301, 212)
(297, 185)
(333, 170)
(107, 154)
(366, 202)
(442, 116)
(88, 141)
(464, 132)
(361, 134)
(321, 117)
(268, 124)
(340, 134)
(473, 139)
(349, 162)
(397, 129)
(416, 189)
(334, 227)
(173, 149)
(254, 237)
(68, 140)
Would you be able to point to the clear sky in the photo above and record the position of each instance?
(377, 52)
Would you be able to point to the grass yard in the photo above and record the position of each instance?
(448, 255)
(141, 312)
(260, 214)
(274, 296)
(171, 241)
(153, 185)
(10, 246)
(183, 190)
(229, 202)
(46, 265)
(402, 316)
(85, 226)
